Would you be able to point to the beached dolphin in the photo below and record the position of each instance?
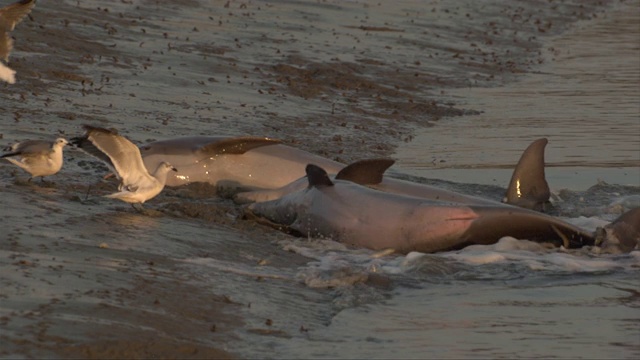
(363, 217)
(621, 235)
(528, 187)
(370, 172)
(248, 162)
(263, 163)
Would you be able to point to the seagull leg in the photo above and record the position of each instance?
(138, 207)
(148, 212)
(45, 182)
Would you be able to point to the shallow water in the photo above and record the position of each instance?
(585, 99)
(85, 276)
(470, 320)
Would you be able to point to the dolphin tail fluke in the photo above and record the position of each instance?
(528, 187)
(365, 172)
(236, 146)
(622, 235)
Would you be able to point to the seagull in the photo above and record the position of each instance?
(10, 16)
(137, 185)
(37, 157)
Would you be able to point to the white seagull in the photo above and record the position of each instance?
(37, 157)
(10, 16)
(137, 185)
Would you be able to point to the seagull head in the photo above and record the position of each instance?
(60, 142)
(168, 166)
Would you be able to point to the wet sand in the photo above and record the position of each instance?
(87, 277)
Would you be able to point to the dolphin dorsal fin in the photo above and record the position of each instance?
(365, 172)
(237, 145)
(317, 176)
(528, 187)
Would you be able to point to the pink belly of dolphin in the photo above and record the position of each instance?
(429, 230)
(363, 217)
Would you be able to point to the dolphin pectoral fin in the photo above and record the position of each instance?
(365, 172)
(250, 215)
(237, 145)
(572, 239)
(528, 187)
(317, 176)
(252, 196)
(565, 240)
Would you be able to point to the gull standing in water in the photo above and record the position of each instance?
(37, 157)
(137, 185)
(11, 15)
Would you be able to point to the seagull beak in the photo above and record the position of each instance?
(174, 169)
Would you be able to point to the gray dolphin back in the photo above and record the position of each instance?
(237, 145)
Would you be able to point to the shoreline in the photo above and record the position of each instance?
(336, 79)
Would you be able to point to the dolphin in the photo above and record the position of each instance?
(528, 187)
(370, 172)
(272, 169)
(621, 235)
(367, 218)
(245, 162)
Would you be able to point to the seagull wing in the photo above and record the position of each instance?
(10, 16)
(116, 151)
(29, 147)
(6, 45)
(87, 146)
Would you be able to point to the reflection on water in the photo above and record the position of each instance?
(586, 100)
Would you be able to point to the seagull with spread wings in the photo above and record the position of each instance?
(10, 16)
(137, 185)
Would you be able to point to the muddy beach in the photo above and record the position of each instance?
(83, 276)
